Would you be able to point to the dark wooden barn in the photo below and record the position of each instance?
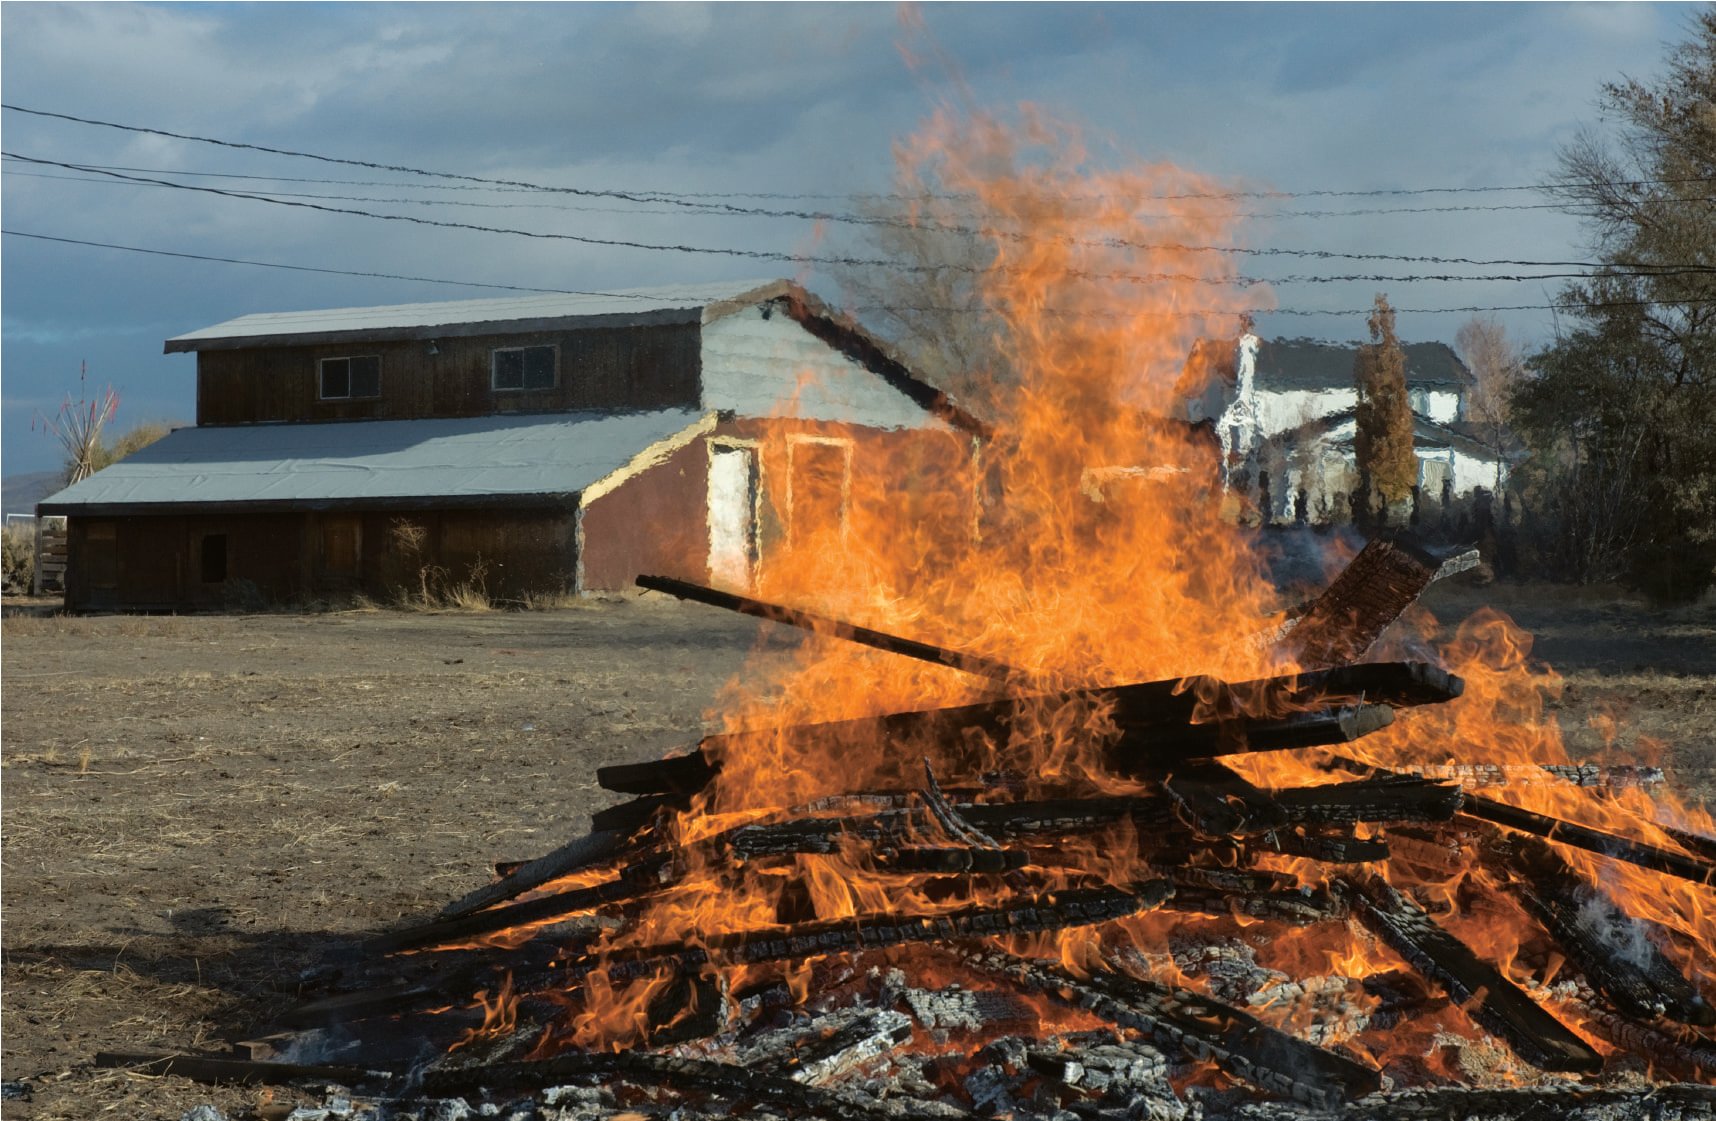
(535, 445)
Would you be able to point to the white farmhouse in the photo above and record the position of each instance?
(1283, 410)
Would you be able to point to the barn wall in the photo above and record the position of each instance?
(760, 363)
(599, 368)
(654, 522)
(157, 562)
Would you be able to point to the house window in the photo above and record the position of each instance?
(524, 367)
(214, 558)
(344, 378)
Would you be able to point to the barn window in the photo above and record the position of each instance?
(344, 378)
(524, 367)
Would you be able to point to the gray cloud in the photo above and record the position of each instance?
(795, 98)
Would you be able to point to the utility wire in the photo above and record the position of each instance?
(309, 268)
(103, 174)
(656, 196)
(848, 261)
(1178, 312)
(837, 216)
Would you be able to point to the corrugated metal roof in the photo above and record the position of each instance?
(672, 303)
(353, 463)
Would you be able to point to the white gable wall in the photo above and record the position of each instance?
(770, 366)
(1277, 411)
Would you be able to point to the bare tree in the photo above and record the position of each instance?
(931, 308)
(1497, 367)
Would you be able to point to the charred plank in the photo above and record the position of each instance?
(568, 858)
(1493, 1001)
(1642, 853)
(1179, 1020)
(1613, 950)
(1375, 588)
(634, 880)
(1370, 800)
(1031, 914)
(836, 628)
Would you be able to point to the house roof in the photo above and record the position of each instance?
(678, 303)
(1426, 433)
(1287, 364)
(375, 464)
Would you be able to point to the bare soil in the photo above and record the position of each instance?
(198, 808)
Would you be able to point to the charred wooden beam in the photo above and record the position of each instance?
(1375, 588)
(563, 861)
(638, 878)
(1613, 950)
(1217, 802)
(1370, 800)
(1299, 907)
(629, 817)
(952, 859)
(1151, 750)
(1642, 853)
(1695, 843)
(1051, 911)
(677, 774)
(1327, 846)
(835, 628)
(1179, 1020)
(1664, 1045)
(1492, 1000)
(233, 1070)
(1589, 775)
(1162, 723)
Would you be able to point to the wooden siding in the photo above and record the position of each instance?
(156, 563)
(600, 368)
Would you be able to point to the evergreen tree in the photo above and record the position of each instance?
(1388, 468)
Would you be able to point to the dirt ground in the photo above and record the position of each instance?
(197, 808)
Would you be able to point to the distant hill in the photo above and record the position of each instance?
(23, 491)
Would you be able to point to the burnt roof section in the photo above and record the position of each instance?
(1287, 364)
(634, 307)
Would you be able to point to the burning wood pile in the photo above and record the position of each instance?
(1016, 949)
(1114, 832)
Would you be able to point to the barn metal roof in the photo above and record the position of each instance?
(678, 303)
(537, 459)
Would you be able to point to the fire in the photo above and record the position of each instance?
(1087, 543)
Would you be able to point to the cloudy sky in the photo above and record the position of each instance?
(675, 100)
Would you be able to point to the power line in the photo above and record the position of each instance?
(833, 216)
(658, 196)
(849, 261)
(109, 174)
(308, 268)
(1178, 312)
